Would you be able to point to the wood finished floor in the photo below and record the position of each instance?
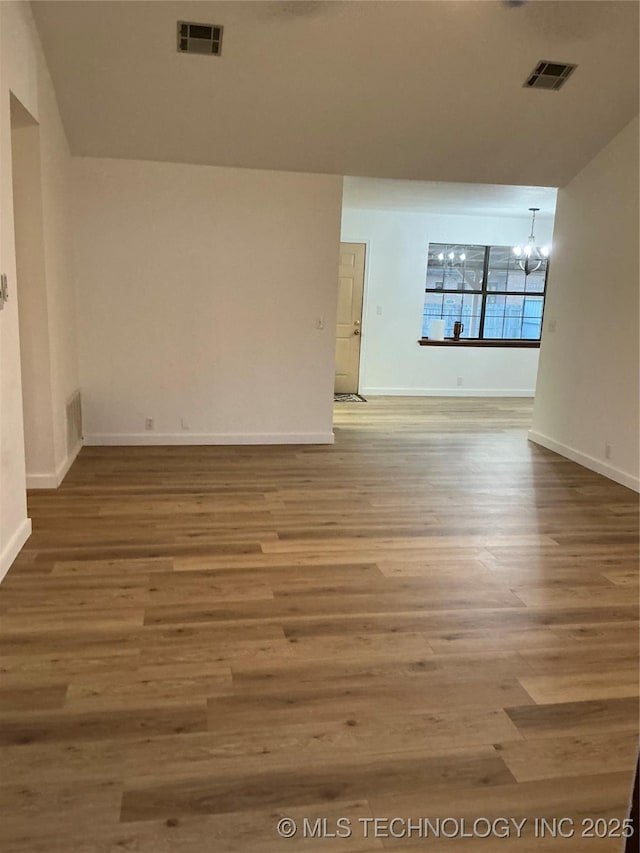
(432, 618)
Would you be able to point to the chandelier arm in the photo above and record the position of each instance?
(526, 269)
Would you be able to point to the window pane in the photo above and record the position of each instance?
(470, 317)
(535, 281)
(499, 262)
(517, 280)
(494, 316)
(465, 307)
(513, 317)
(435, 266)
(432, 310)
(506, 274)
(532, 317)
(451, 311)
(454, 267)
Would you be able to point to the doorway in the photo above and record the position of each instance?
(31, 295)
(349, 317)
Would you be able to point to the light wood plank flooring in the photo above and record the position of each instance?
(432, 618)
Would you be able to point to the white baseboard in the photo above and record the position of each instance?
(448, 392)
(53, 480)
(42, 481)
(187, 438)
(13, 546)
(597, 465)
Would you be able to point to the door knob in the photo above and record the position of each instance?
(356, 331)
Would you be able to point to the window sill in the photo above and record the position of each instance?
(467, 342)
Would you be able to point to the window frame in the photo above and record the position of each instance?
(484, 292)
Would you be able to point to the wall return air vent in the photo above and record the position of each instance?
(205, 39)
(549, 75)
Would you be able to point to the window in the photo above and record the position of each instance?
(485, 288)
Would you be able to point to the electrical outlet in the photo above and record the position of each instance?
(459, 381)
(184, 424)
(148, 423)
(607, 451)
(379, 310)
(551, 326)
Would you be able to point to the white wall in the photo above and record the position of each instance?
(392, 362)
(198, 293)
(23, 72)
(587, 392)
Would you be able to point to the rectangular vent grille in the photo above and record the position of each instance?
(549, 75)
(205, 39)
(74, 422)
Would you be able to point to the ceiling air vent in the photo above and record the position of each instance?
(199, 38)
(549, 75)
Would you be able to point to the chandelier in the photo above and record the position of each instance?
(531, 257)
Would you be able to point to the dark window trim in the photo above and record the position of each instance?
(484, 292)
(483, 304)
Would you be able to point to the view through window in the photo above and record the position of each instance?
(485, 288)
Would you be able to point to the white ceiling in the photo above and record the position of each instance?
(448, 198)
(423, 90)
